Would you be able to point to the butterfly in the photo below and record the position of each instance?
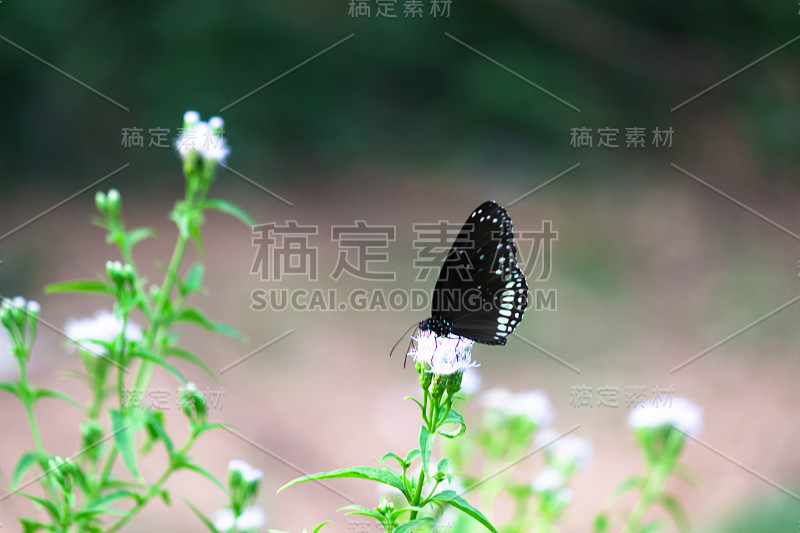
(481, 293)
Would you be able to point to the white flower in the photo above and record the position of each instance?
(445, 355)
(470, 381)
(103, 326)
(249, 473)
(681, 413)
(566, 450)
(251, 518)
(190, 118)
(497, 399)
(223, 519)
(549, 479)
(200, 136)
(533, 404)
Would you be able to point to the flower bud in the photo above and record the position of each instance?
(425, 377)
(62, 471)
(114, 201)
(6, 314)
(193, 403)
(190, 118)
(91, 435)
(454, 383)
(439, 385)
(216, 124)
(101, 202)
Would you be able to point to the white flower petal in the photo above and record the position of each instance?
(681, 413)
(548, 479)
(470, 381)
(201, 137)
(223, 519)
(251, 518)
(445, 355)
(103, 326)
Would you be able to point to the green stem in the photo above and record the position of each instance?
(154, 489)
(146, 367)
(37, 437)
(417, 494)
(655, 481)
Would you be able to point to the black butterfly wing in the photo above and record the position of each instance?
(481, 290)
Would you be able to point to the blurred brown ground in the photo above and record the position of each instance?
(646, 278)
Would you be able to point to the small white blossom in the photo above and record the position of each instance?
(223, 519)
(445, 355)
(497, 399)
(681, 413)
(568, 450)
(103, 326)
(249, 473)
(533, 404)
(251, 518)
(548, 480)
(470, 381)
(201, 137)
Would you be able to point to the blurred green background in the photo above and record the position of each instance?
(402, 123)
(400, 93)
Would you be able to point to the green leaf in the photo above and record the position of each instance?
(362, 511)
(602, 523)
(48, 505)
(197, 239)
(452, 498)
(203, 472)
(123, 432)
(12, 388)
(444, 465)
(189, 314)
(425, 445)
(229, 209)
(27, 460)
(453, 417)
(381, 475)
(137, 235)
(419, 403)
(154, 423)
(630, 483)
(38, 394)
(392, 455)
(208, 523)
(153, 358)
(675, 511)
(420, 524)
(316, 529)
(114, 496)
(652, 526)
(194, 278)
(30, 526)
(412, 455)
(81, 285)
(192, 358)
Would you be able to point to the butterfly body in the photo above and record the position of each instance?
(481, 293)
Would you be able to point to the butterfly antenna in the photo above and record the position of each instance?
(401, 338)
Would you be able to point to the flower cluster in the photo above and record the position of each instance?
(442, 355)
(203, 138)
(241, 516)
(95, 334)
(19, 317)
